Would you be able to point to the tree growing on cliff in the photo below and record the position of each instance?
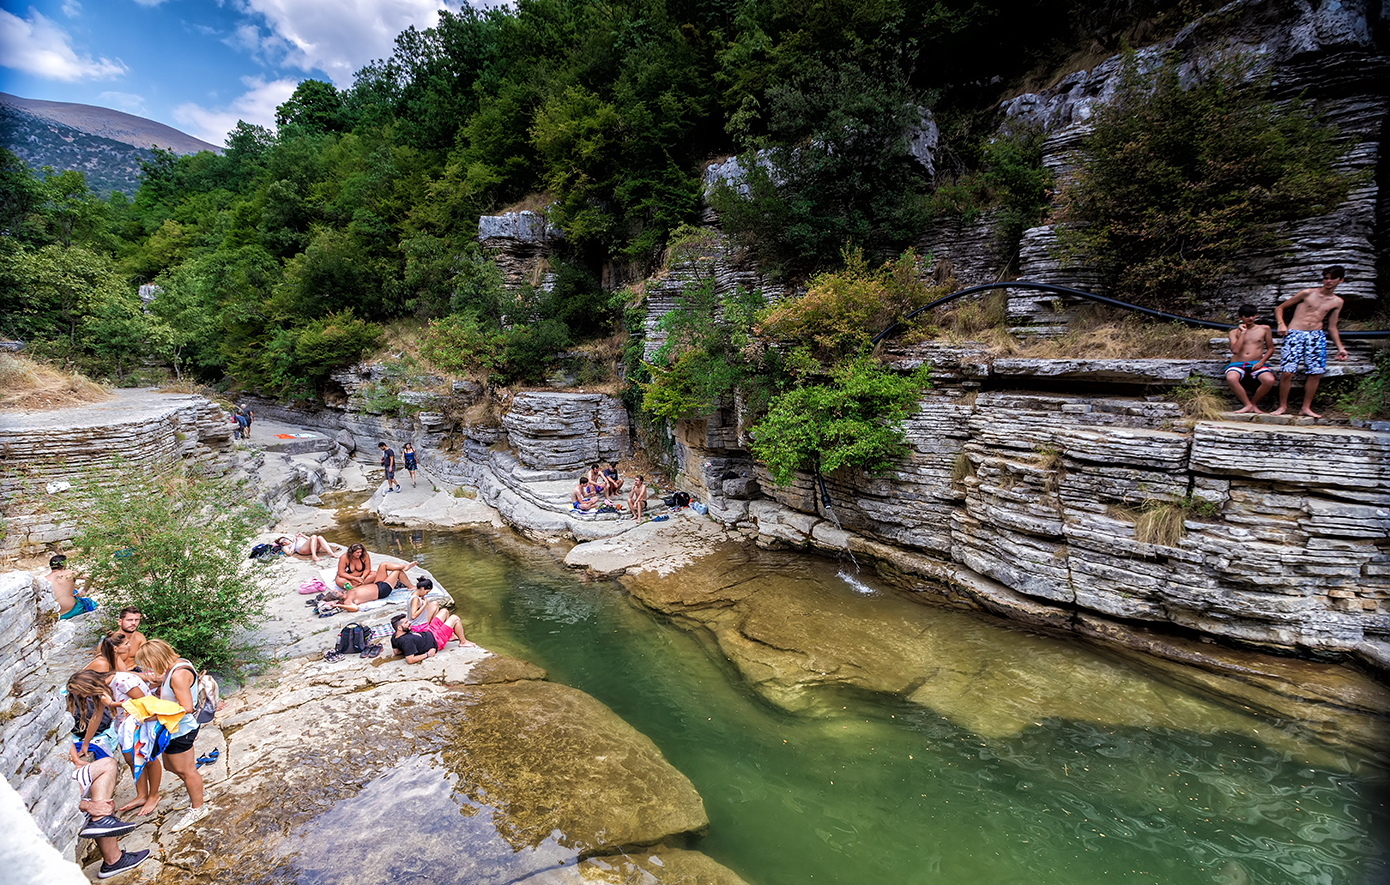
(172, 542)
(1179, 178)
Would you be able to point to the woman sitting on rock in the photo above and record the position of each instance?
(305, 545)
(355, 567)
(357, 595)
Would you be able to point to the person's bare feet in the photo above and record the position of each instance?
(1307, 412)
(1248, 410)
(150, 806)
(138, 800)
(1279, 411)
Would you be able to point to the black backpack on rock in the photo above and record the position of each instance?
(352, 639)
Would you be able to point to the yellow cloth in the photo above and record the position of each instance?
(168, 712)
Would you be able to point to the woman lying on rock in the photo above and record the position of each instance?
(432, 637)
(305, 545)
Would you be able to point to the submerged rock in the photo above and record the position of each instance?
(442, 772)
(793, 628)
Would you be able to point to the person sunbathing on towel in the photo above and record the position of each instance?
(357, 595)
(417, 646)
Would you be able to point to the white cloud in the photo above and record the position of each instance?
(71, 8)
(149, 2)
(37, 46)
(257, 105)
(337, 36)
(124, 101)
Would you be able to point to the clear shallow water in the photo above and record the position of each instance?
(872, 789)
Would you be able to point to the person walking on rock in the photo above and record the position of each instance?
(1304, 340)
(388, 461)
(411, 465)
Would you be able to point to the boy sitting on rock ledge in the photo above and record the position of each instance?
(1252, 343)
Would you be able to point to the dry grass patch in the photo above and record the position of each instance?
(1161, 524)
(962, 468)
(1200, 399)
(31, 386)
(529, 203)
(1093, 332)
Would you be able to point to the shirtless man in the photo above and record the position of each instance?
(129, 624)
(637, 498)
(1304, 340)
(64, 582)
(356, 595)
(584, 496)
(1251, 346)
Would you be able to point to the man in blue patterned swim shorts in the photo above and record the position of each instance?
(1304, 340)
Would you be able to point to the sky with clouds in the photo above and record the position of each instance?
(196, 65)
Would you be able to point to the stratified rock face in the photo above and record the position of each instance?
(47, 454)
(1328, 53)
(521, 243)
(1280, 534)
(370, 774)
(33, 716)
(567, 431)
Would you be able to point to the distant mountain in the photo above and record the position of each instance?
(106, 145)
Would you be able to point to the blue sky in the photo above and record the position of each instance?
(196, 65)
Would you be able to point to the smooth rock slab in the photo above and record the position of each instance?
(412, 781)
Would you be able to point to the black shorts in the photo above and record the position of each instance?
(383, 589)
(182, 744)
(390, 474)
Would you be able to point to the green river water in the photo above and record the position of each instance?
(865, 787)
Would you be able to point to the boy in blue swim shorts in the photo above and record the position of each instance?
(64, 583)
(1252, 343)
(1304, 339)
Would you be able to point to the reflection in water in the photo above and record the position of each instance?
(1101, 776)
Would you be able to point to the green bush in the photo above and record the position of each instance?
(1175, 181)
(842, 310)
(710, 351)
(854, 421)
(1370, 397)
(173, 543)
(460, 344)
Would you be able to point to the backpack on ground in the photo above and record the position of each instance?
(682, 499)
(265, 549)
(353, 640)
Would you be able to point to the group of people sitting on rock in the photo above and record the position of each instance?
(1304, 342)
(137, 700)
(597, 487)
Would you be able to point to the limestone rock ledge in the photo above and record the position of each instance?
(1279, 534)
(468, 764)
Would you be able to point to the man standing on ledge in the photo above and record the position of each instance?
(388, 460)
(1304, 339)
